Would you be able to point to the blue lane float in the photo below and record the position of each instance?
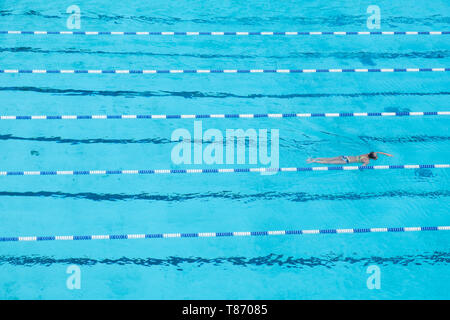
(222, 170)
(208, 71)
(224, 234)
(231, 116)
(225, 33)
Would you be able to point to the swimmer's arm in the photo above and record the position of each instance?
(365, 162)
(386, 154)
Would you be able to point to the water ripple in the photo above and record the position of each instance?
(288, 143)
(406, 139)
(365, 57)
(228, 195)
(338, 20)
(220, 95)
(6, 137)
(328, 261)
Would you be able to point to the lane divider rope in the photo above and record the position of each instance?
(144, 71)
(223, 170)
(223, 234)
(234, 116)
(224, 33)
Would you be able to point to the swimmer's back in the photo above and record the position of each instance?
(356, 159)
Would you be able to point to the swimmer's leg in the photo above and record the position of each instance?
(334, 160)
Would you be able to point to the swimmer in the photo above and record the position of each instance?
(364, 159)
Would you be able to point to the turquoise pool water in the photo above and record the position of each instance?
(412, 265)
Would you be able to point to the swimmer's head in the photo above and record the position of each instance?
(373, 156)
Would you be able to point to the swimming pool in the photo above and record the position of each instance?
(315, 266)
